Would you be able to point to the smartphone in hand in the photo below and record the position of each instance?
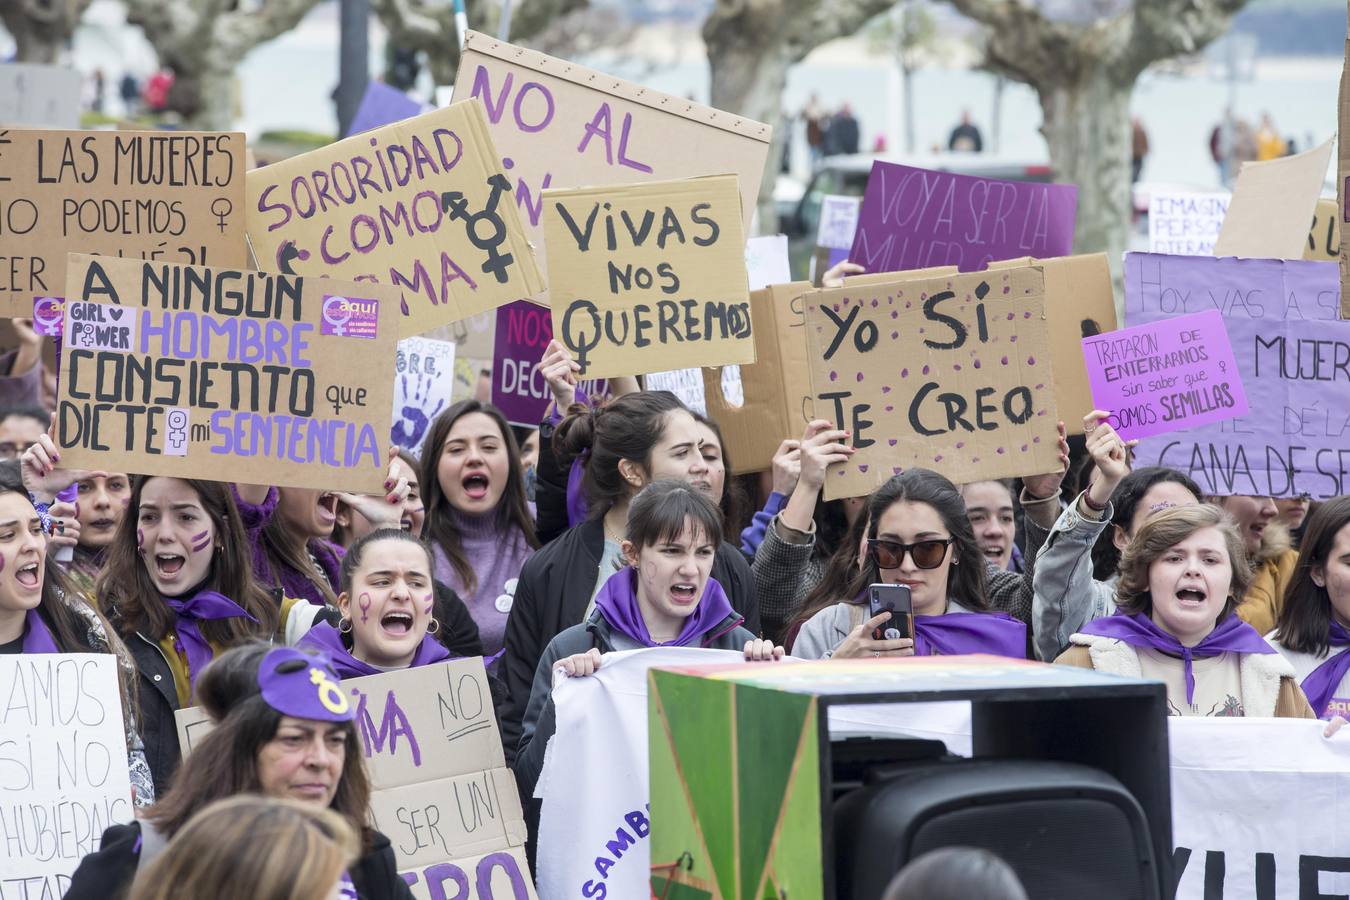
(899, 602)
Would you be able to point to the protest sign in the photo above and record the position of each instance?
(1165, 376)
(1185, 223)
(424, 375)
(838, 221)
(1324, 237)
(1343, 178)
(165, 196)
(1272, 202)
(950, 373)
(421, 205)
(766, 261)
(63, 767)
(914, 218)
(1080, 301)
(561, 125)
(518, 389)
(687, 384)
(383, 105)
(39, 96)
(1293, 355)
(657, 278)
(223, 374)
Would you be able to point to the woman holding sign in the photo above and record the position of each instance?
(1182, 578)
(664, 596)
(283, 728)
(40, 614)
(917, 536)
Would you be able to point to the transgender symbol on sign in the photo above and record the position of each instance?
(455, 204)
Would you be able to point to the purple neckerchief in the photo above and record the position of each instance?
(327, 638)
(204, 605)
(37, 637)
(618, 602)
(1232, 635)
(1015, 562)
(1321, 683)
(958, 633)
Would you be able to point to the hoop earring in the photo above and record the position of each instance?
(434, 627)
(347, 622)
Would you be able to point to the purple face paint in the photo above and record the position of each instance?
(201, 541)
(430, 602)
(364, 602)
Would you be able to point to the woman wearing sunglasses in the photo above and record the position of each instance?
(917, 535)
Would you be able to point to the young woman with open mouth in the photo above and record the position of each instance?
(388, 608)
(99, 503)
(478, 522)
(38, 611)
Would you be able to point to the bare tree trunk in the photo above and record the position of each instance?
(907, 88)
(40, 28)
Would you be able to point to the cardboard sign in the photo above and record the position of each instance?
(39, 96)
(561, 125)
(224, 374)
(766, 261)
(383, 105)
(499, 875)
(1165, 376)
(1271, 202)
(1292, 351)
(1079, 302)
(63, 766)
(1185, 223)
(432, 821)
(950, 373)
(649, 275)
(424, 375)
(421, 205)
(912, 218)
(1324, 237)
(518, 389)
(1343, 178)
(169, 196)
(838, 221)
(686, 384)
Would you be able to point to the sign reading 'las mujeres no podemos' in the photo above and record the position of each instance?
(230, 375)
(649, 277)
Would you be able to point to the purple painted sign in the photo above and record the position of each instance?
(1165, 376)
(1293, 353)
(916, 218)
(382, 105)
(518, 389)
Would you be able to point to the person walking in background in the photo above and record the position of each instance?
(965, 137)
(1269, 144)
(1138, 148)
(130, 91)
(841, 137)
(814, 118)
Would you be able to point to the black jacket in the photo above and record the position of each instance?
(158, 700)
(108, 872)
(552, 595)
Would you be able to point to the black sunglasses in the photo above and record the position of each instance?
(926, 554)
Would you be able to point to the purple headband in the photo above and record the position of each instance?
(303, 685)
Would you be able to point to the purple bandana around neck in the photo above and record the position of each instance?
(325, 637)
(958, 633)
(37, 637)
(1321, 683)
(204, 605)
(1232, 635)
(618, 601)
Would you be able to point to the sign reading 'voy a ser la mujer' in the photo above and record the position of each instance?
(224, 374)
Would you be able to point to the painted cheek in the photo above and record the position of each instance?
(364, 603)
(200, 541)
(429, 602)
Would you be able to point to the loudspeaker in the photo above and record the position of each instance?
(1069, 831)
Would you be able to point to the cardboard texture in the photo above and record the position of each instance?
(1271, 203)
(193, 724)
(1343, 175)
(432, 821)
(649, 277)
(561, 125)
(228, 375)
(913, 218)
(1079, 301)
(951, 373)
(39, 96)
(500, 875)
(168, 196)
(1324, 237)
(422, 205)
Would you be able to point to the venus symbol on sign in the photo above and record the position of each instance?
(220, 208)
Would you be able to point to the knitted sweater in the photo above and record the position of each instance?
(293, 583)
(496, 558)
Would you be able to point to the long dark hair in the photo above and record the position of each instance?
(126, 590)
(225, 763)
(627, 428)
(840, 569)
(1304, 625)
(1125, 500)
(512, 509)
(278, 545)
(734, 502)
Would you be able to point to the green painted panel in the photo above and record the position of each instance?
(796, 862)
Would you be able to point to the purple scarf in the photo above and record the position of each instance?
(1232, 635)
(204, 605)
(957, 633)
(37, 637)
(325, 637)
(618, 601)
(1322, 681)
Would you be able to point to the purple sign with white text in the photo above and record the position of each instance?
(916, 218)
(1165, 376)
(350, 316)
(1293, 354)
(518, 388)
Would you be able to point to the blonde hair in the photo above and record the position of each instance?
(251, 847)
(1163, 531)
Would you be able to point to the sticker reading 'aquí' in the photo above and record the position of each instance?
(225, 374)
(949, 373)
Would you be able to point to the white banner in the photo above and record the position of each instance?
(63, 767)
